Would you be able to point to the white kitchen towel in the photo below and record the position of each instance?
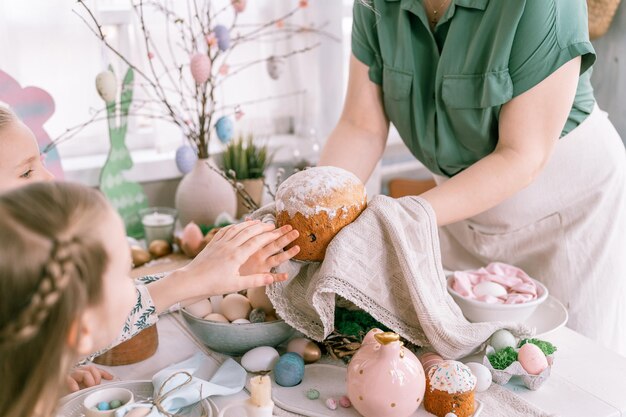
(388, 263)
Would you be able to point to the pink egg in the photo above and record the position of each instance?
(239, 5)
(430, 359)
(200, 66)
(192, 236)
(532, 359)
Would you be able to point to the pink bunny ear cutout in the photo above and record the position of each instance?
(34, 106)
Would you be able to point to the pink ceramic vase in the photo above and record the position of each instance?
(384, 378)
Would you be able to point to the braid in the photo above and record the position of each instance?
(58, 273)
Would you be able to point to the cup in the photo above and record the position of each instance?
(105, 395)
(158, 223)
(251, 409)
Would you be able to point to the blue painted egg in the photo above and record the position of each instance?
(103, 406)
(289, 370)
(225, 129)
(186, 158)
(223, 37)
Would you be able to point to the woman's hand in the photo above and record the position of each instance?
(228, 264)
(272, 255)
(86, 376)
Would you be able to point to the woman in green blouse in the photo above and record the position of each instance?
(494, 98)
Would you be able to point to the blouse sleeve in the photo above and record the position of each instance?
(549, 34)
(365, 46)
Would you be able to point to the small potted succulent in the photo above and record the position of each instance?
(245, 163)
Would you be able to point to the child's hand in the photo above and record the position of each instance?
(217, 269)
(86, 376)
(272, 254)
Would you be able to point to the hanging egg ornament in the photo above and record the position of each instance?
(223, 37)
(224, 129)
(275, 67)
(106, 84)
(239, 5)
(200, 66)
(186, 159)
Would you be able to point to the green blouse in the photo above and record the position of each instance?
(443, 91)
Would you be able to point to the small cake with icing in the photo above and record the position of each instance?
(450, 387)
(318, 203)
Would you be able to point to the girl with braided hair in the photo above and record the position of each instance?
(65, 290)
(20, 165)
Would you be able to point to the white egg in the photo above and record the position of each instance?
(489, 288)
(241, 321)
(216, 317)
(482, 374)
(502, 339)
(235, 306)
(216, 302)
(200, 309)
(106, 84)
(259, 299)
(260, 359)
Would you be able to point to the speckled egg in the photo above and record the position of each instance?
(106, 84)
(236, 306)
(259, 299)
(502, 339)
(289, 370)
(275, 67)
(260, 359)
(224, 129)
(216, 317)
(200, 66)
(186, 159)
(223, 37)
(257, 315)
(306, 348)
(532, 359)
(200, 309)
(489, 288)
(482, 374)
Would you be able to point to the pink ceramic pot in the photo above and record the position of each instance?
(384, 378)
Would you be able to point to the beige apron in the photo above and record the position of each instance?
(567, 229)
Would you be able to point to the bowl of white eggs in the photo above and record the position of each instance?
(236, 323)
(480, 311)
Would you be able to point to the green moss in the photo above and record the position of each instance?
(355, 323)
(206, 229)
(546, 347)
(502, 358)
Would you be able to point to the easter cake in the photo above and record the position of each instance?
(450, 387)
(318, 203)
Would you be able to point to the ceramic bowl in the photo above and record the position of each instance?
(478, 311)
(237, 339)
(108, 395)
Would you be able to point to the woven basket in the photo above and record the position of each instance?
(601, 13)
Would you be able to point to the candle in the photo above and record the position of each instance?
(261, 391)
(158, 223)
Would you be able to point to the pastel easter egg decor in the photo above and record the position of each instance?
(306, 348)
(106, 84)
(223, 37)
(275, 67)
(532, 359)
(482, 374)
(502, 339)
(186, 158)
(289, 370)
(200, 67)
(224, 129)
(238, 5)
(260, 359)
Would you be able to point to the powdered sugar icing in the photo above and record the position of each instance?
(306, 191)
(452, 377)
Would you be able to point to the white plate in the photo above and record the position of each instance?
(330, 381)
(72, 405)
(549, 316)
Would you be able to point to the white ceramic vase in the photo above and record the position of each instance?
(203, 194)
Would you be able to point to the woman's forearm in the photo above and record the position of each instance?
(482, 186)
(353, 149)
